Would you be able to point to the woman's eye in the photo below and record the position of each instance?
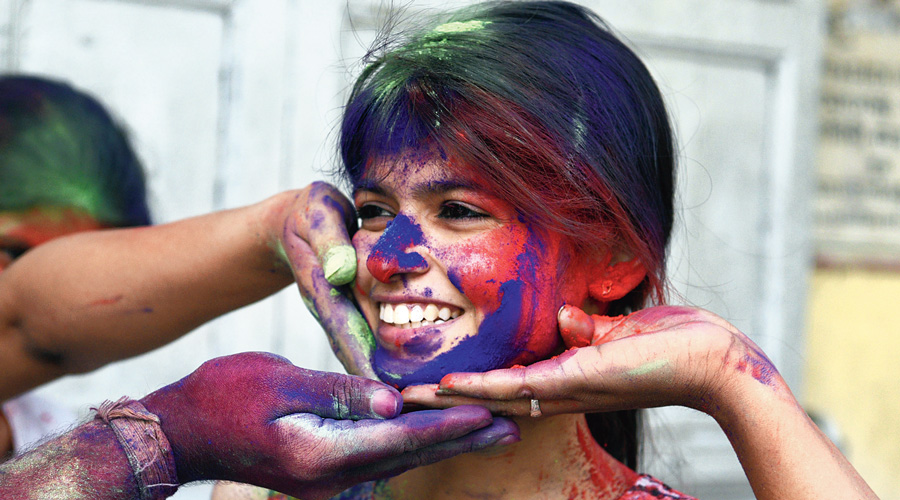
(455, 210)
(370, 211)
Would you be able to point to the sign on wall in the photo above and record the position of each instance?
(857, 206)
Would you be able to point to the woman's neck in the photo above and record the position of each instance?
(557, 458)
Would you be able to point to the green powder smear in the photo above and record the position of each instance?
(339, 264)
(647, 368)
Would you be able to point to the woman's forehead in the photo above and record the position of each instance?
(423, 171)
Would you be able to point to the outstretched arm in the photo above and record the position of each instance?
(672, 356)
(257, 419)
(79, 302)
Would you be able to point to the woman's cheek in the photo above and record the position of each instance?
(479, 266)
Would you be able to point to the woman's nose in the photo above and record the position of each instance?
(392, 253)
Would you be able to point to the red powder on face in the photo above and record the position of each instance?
(617, 280)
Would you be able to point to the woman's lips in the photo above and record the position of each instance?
(414, 315)
(413, 328)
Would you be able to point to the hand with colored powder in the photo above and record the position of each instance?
(82, 300)
(258, 419)
(315, 239)
(663, 356)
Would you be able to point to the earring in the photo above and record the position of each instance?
(607, 288)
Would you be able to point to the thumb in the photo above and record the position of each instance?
(575, 326)
(339, 396)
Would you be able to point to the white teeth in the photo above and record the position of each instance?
(416, 314)
(401, 314)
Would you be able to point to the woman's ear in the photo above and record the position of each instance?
(616, 278)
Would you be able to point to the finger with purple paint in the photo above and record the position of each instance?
(256, 418)
(315, 238)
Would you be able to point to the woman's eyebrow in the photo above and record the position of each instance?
(369, 186)
(439, 187)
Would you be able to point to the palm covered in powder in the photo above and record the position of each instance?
(659, 356)
(258, 419)
(315, 239)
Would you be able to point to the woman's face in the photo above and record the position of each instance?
(23, 230)
(450, 277)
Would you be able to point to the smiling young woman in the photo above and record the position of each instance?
(512, 169)
(433, 240)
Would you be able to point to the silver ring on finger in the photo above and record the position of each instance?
(535, 408)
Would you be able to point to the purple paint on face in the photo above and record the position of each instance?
(389, 256)
(473, 255)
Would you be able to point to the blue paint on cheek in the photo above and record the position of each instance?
(494, 346)
(389, 255)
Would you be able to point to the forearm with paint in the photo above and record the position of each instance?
(780, 448)
(86, 463)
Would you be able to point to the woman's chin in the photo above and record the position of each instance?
(404, 369)
(402, 372)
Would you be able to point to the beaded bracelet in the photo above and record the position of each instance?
(149, 452)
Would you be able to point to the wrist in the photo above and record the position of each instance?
(750, 391)
(146, 447)
(166, 405)
(271, 216)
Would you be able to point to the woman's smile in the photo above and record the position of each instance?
(451, 278)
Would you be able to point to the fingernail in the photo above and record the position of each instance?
(559, 313)
(384, 403)
(339, 264)
(512, 438)
(445, 392)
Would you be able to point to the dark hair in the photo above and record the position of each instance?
(557, 115)
(59, 147)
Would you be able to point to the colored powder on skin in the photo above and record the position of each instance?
(759, 366)
(339, 264)
(310, 306)
(359, 330)
(605, 476)
(503, 332)
(107, 301)
(648, 368)
(389, 253)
